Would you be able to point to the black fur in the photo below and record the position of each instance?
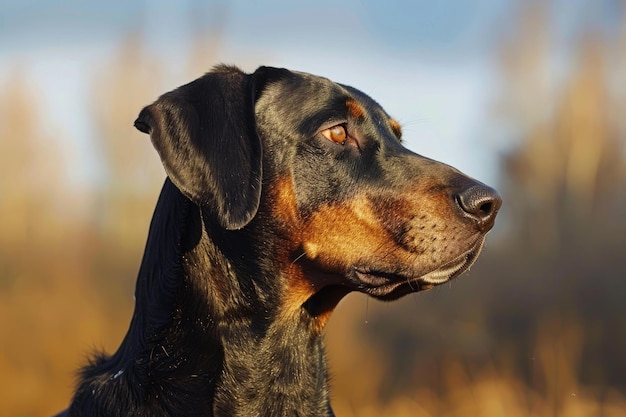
(215, 331)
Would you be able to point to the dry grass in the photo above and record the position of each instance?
(459, 389)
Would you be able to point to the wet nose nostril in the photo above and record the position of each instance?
(480, 203)
(485, 208)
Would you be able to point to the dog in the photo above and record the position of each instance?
(285, 192)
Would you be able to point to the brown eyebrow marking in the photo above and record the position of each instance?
(397, 129)
(355, 109)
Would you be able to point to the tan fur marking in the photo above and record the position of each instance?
(360, 232)
(302, 279)
(355, 109)
(414, 231)
(341, 234)
(395, 126)
(283, 197)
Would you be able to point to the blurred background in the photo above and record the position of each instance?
(527, 96)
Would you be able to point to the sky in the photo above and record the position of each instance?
(432, 65)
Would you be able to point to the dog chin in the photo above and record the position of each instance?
(454, 268)
(391, 286)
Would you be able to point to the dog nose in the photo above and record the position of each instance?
(480, 203)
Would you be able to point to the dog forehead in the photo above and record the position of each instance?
(338, 90)
(303, 95)
(302, 87)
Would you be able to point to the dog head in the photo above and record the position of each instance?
(324, 165)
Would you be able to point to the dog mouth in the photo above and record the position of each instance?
(386, 285)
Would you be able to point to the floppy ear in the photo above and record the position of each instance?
(205, 134)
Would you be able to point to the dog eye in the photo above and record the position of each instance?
(337, 134)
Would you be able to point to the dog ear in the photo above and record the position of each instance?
(205, 133)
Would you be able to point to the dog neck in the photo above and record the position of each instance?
(208, 336)
(273, 357)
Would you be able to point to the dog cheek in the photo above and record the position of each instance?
(339, 236)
